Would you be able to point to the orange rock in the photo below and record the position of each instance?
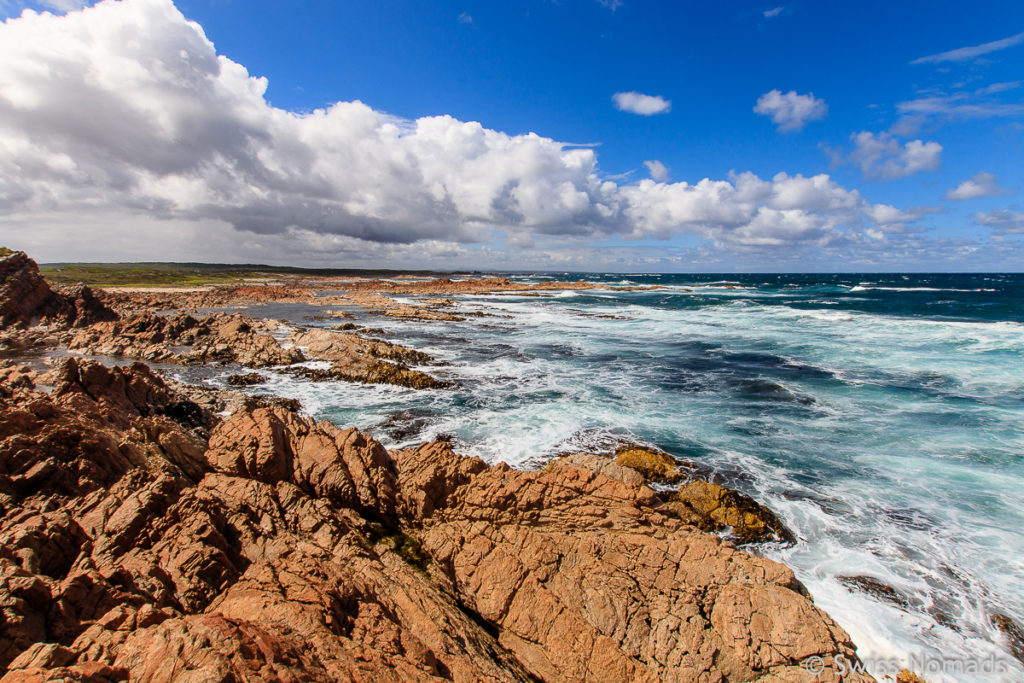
(711, 507)
(140, 541)
(26, 298)
(907, 676)
(654, 465)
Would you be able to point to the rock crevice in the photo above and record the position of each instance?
(143, 542)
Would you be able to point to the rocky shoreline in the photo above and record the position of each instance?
(157, 532)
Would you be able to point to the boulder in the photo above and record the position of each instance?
(714, 508)
(27, 299)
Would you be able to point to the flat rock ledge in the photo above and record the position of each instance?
(142, 538)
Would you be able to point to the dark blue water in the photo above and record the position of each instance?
(952, 296)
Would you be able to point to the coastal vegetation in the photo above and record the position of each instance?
(188, 274)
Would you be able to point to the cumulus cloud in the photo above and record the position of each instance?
(966, 54)
(981, 185)
(880, 156)
(1001, 221)
(744, 210)
(887, 214)
(890, 219)
(658, 170)
(791, 111)
(135, 126)
(638, 103)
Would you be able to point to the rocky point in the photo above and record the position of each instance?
(151, 531)
(143, 539)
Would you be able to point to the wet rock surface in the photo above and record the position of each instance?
(1012, 632)
(387, 306)
(234, 338)
(876, 589)
(248, 379)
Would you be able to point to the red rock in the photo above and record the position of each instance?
(139, 543)
(26, 298)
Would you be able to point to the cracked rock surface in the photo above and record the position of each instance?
(143, 538)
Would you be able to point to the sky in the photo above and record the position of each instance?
(568, 135)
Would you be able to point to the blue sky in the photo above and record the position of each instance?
(908, 116)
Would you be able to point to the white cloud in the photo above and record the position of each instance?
(881, 157)
(994, 88)
(790, 111)
(638, 103)
(658, 170)
(1001, 221)
(465, 18)
(612, 4)
(886, 214)
(773, 12)
(959, 105)
(965, 54)
(890, 219)
(745, 210)
(135, 135)
(981, 185)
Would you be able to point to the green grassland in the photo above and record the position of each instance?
(145, 274)
(189, 274)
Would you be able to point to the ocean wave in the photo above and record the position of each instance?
(864, 287)
(875, 472)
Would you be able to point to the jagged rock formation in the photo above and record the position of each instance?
(234, 338)
(184, 339)
(26, 298)
(141, 539)
(380, 304)
(357, 359)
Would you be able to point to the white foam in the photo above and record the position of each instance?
(892, 472)
(861, 287)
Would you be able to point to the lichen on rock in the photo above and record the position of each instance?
(714, 508)
(653, 464)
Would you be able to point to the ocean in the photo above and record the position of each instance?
(881, 416)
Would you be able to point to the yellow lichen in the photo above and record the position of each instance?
(652, 464)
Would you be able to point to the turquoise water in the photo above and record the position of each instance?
(882, 416)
